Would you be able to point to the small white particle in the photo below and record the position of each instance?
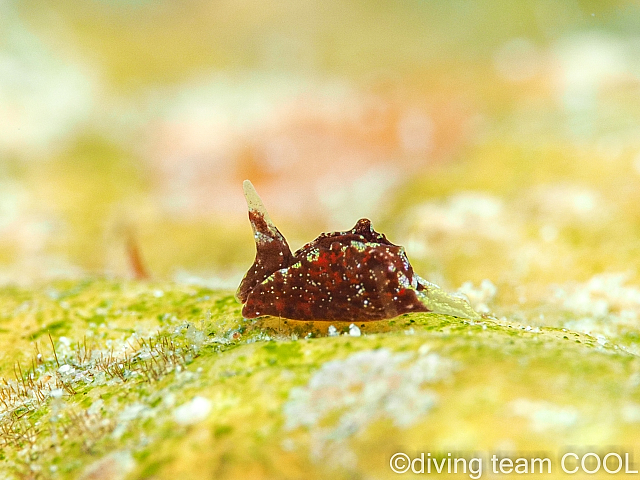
(332, 331)
(545, 415)
(424, 349)
(56, 393)
(354, 331)
(132, 412)
(64, 369)
(116, 465)
(631, 413)
(548, 233)
(193, 411)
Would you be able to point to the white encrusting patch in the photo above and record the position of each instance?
(604, 305)
(544, 415)
(562, 203)
(192, 412)
(476, 213)
(345, 396)
(600, 295)
(479, 297)
(114, 466)
(631, 413)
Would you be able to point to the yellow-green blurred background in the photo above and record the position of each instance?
(494, 139)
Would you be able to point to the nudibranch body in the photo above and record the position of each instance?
(357, 275)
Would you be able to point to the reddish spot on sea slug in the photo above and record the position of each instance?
(356, 275)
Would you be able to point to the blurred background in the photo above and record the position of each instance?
(493, 139)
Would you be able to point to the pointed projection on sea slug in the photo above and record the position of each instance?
(357, 275)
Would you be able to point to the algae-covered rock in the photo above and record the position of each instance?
(169, 381)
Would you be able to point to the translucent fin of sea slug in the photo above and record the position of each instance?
(439, 301)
